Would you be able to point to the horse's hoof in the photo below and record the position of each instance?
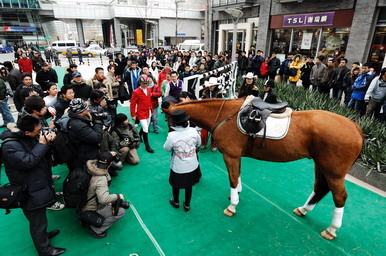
(298, 212)
(327, 235)
(228, 213)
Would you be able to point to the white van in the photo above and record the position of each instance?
(191, 45)
(61, 46)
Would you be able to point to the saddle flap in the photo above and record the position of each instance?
(274, 108)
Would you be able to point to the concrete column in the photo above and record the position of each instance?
(362, 31)
(263, 34)
(79, 28)
(117, 32)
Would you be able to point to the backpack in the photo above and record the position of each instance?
(62, 148)
(75, 188)
(11, 195)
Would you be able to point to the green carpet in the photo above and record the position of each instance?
(263, 225)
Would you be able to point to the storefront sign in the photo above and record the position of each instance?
(19, 29)
(306, 41)
(308, 20)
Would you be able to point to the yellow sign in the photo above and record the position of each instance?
(139, 36)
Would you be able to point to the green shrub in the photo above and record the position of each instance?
(374, 149)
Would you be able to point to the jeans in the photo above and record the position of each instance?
(357, 105)
(154, 119)
(5, 112)
(337, 93)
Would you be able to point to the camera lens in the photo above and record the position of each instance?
(125, 205)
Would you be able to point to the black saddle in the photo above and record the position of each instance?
(252, 118)
(274, 108)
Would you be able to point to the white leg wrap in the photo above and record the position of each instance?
(337, 218)
(234, 196)
(239, 185)
(309, 207)
(332, 230)
(232, 208)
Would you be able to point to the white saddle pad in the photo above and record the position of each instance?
(277, 128)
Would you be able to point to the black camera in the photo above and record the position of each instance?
(117, 164)
(98, 113)
(133, 140)
(49, 130)
(119, 203)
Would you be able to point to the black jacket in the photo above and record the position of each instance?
(36, 63)
(273, 65)
(85, 136)
(3, 89)
(14, 78)
(243, 63)
(339, 75)
(81, 90)
(306, 71)
(22, 92)
(271, 97)
(121, 66)
(60, 106)
(44, 77)
(26, 163)
(67, 79)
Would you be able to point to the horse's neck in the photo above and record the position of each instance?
(208, 114)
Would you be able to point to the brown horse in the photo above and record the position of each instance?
(332, 141)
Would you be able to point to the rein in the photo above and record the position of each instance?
(218, 113)
(224, 121)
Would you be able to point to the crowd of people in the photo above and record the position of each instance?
(101, 140)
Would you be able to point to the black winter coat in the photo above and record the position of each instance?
(44, 77)
(243, 63)
(60, 106)
(27, 164)
(271, 97)
(67, 79)
(273, 65)
(82, 90)
(22, 92)
(85, 136)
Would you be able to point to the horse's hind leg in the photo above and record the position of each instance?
(320, 190)
(233, 166)
(339, 196)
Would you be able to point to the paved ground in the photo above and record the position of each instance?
(264, 224)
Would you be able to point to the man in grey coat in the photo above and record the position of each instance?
(376, 94)
(317, 73)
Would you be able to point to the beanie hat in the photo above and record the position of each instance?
(77, 106)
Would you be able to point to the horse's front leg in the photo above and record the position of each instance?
(233, 166)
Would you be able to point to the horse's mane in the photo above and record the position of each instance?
(203, 101)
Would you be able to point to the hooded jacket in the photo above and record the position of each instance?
(82, 90)
(98, 190)
(26, 163)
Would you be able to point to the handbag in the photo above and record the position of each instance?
(8, 89)
(12, 196)
(293, 71)
(92, 218)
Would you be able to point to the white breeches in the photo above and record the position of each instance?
(145, 124)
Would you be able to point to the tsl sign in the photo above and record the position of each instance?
(309, 20)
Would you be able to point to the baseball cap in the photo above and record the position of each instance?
(76, 74)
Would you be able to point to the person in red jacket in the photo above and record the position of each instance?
(155, 94)
(25, 64)
(163, 73)
(264, 69)
(141, 108)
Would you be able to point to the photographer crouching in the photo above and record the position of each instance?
(99, 110)
(102, 209)
(126, 139)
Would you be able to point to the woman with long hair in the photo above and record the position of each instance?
(248, 87)
(295, 65)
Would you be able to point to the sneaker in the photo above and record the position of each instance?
(55, 177)
(156, 132)
(174, 204)
(214, 149)
(57, 206)
(136, 125)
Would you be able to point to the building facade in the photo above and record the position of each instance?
(20, 21)
(355, 28)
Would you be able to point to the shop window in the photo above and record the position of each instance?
(335, 39)
(305, 41)
(378, 48)
(281, 40)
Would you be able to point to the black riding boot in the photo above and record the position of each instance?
(146, 140)
(140, 135)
